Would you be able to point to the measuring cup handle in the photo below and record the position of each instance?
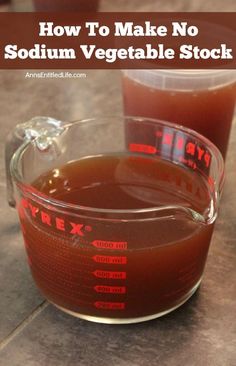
(24, 132)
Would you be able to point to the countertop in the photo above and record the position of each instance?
(32, 332)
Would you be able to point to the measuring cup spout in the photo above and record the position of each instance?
(42, 128)
(176, 212)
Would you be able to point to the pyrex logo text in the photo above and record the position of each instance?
(51, 220)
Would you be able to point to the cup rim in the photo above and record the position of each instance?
(33, 193)
(182, 80)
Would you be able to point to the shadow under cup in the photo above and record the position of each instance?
(120, 265)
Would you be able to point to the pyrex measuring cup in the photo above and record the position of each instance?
(202, 100)
(122, 264)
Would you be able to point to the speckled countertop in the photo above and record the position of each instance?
(32, 332)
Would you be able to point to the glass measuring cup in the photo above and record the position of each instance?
(122, 264)
(202, 100)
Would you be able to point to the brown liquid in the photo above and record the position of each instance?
(117, 269)
(209, 112)
(66, 5)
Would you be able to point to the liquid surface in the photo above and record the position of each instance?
(125, 182)
(114, 268)
(209, 112)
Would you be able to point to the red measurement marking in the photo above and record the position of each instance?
(148, 149)
(188, 162)
(180, 143)
(159, 133)
(211, 183)
(167, 139)
(110, 274)
(118, 245)
(110, 289)
(109, 305)
(109, 259)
